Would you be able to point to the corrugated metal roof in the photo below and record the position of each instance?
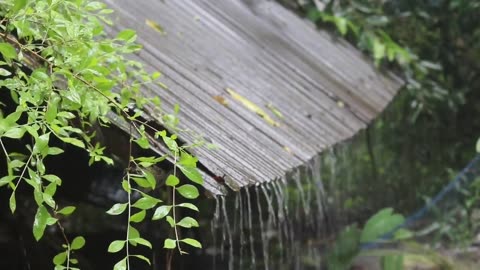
(325, 89)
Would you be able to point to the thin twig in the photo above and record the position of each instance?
(173, 206)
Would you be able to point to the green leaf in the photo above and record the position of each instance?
(170, 143)
(12, 203)
(138, 217)
(117, 209)
(143, 142)
(141, 241)
(169, 243)
(192, 242)
(67, 210)
(52, 178)
(78, 243)
(48, 199)
(132, 232)
(16, 163)
(161, 212)
(8, 51)
(150, 179)
(73, 96)
(170, 221)
(19, 4)
(60, 258)
(128, 35)
(379, 224)
(478, 146)
(126, 186)
(188, 191)
(73, 141)
(141, 181)
(6, 180)
(53, 151)
(4, 72)
(14, 133)
(192, 173)
(141, 257)
(40, 222)
(172, 180)
(378, 49)
(146, 203)
(51, 112)
(342, 25)
(187, 222)
(121, 265)
(189, 206)
(116, 246)
(41, 144)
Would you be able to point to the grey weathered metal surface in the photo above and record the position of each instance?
(324, 88)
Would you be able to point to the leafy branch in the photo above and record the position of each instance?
(64, 76)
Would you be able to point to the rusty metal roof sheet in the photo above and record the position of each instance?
(272, 60)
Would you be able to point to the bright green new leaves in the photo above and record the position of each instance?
(188, 166)
(146, 202)
(138, 217)
(143, 258)
(8, 51)
(14, 133)
(169, 244)
(117, 209)
(161, 212)
(170, 143)
(42, 219)
(78, 243)
(187, 222)
(127, 35)
(68, 89)
(192, 173)
(41, 144)
(116, 246)
(189, 206)
(10, 122)
(121, 265)
(146, 180)
(60, 258)
(140, 241)
(188, 191)
(172, 180)
(192, 242)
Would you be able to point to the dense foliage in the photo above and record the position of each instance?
(62, 77)
(435, 46)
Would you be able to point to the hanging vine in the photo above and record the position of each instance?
(64, 75)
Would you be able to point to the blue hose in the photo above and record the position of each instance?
(463, 175)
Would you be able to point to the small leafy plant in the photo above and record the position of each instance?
(381, 228)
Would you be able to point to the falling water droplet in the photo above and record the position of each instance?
(263, 232)
(226, 225)
(315, 167)
(282, 189)
(213, 228)
(271, 212)
(297, 178)
(250, 229)
(242, 236)
(281, 228)
(236, 214)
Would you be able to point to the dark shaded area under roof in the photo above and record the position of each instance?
(325, 89)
